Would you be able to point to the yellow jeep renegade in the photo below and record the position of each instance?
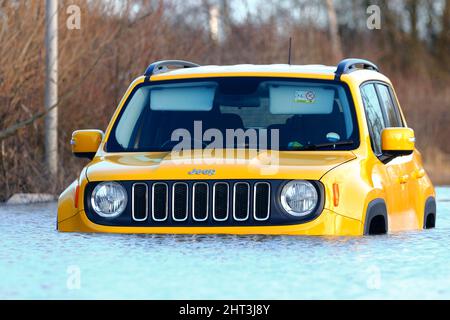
(252, 149)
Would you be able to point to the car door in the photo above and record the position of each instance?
(409, 168)
(390, 175)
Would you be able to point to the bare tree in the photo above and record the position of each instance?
(111, 48)
(443, 41)
(333, 28)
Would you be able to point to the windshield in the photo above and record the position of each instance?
(237, 112)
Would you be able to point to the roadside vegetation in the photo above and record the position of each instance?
(116, 43)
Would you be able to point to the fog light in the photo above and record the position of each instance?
(109, 199)
(299, 198)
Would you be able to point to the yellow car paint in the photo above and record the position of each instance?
(359, 175)
(309, 165)
(328, 223)
(86, 141)
(401, 139)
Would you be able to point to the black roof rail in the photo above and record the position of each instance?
(162, 66)
(350, 64)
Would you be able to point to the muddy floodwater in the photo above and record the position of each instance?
(37, 262)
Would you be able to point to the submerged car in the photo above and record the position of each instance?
(252, 149)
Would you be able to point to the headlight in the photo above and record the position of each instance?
(299, 198)
(109, 199)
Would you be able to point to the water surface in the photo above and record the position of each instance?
(37, 262)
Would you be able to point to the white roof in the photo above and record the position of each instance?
(275, 68)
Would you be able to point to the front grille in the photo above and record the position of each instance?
(160, 201)
(221, 201)
(139, 201)
(180, 204)
(241, 201)
(200, 201)
(200, 198)
(261, 201)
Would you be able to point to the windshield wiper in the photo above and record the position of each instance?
(323, 145)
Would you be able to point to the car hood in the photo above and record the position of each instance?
(248, 164)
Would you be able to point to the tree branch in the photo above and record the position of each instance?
(11, 130)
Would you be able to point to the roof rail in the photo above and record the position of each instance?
(349, 65)
(163, 66)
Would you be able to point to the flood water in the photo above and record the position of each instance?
(37, 262)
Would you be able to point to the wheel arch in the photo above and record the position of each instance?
(429, 218)
(376, 209)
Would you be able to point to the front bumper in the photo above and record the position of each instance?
(326, 224)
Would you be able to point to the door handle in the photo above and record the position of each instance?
(403, 179)
(420, 173)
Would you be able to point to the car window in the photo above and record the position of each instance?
(374, 114)
(390, 108)
(300, 114)
(129, 118)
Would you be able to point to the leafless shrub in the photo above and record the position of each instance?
(114, 45)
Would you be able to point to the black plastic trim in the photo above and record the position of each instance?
(277, 214)
(89, 155)
(430, 209)
(389, 155)
(349, 65)
(317, 210)
(375, 208)
(161, 66)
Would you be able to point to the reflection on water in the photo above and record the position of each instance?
(38, 262)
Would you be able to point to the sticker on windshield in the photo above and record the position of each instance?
(305, 96)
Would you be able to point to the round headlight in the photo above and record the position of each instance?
(109, 199)
(299, 198)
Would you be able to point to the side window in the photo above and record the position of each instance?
(390, 109)
(374, 114)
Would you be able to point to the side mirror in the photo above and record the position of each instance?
(85, 143)
(396, 142)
